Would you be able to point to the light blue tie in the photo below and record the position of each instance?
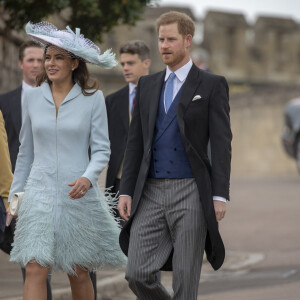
(169, 91)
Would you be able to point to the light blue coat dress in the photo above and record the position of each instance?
(53, 229)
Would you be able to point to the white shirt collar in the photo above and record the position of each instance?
(26, 86)
(181, 73)
(132, 86)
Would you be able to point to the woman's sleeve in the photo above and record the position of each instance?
(99, 141)
(25, 155)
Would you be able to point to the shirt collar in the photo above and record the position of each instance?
(181, 73)
(132, 86)
(26, 86)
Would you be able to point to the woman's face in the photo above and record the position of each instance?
(59, 65)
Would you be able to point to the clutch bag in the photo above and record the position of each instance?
(15, 203)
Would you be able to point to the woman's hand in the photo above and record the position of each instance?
(9, 217)
(80, 187)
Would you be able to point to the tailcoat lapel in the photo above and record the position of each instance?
(153, 91)
(192, 82)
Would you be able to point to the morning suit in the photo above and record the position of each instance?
(10, 105)
(117, 105)
(198, 119)
(53, 229)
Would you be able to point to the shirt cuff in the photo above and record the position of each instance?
(218, 198)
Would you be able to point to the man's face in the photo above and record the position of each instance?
(31, 65)
(133, 67)
(174, 48)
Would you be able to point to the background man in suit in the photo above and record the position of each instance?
(135, 62)
(175, 196)
(30, 62)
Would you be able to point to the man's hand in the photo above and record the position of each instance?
(220, 209)
(124, 207)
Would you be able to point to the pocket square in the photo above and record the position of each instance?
(197, 97)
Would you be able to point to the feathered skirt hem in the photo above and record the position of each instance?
(61, 233)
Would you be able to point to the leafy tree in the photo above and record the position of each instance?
(94, 17)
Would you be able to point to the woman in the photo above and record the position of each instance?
(64, 221)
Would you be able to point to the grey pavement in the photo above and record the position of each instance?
(260, 231)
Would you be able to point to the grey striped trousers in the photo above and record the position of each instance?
(169, 215)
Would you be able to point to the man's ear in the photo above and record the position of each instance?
(189, 40)
(20, 64)
(147, 63)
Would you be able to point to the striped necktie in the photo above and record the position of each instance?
(133, 101)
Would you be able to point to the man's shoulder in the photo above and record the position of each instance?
(118, 93)
(5, 98)
(209, 76)
(153, 76)
(11, 93)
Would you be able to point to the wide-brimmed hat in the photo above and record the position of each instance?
(46, 33)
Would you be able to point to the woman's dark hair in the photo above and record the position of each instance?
(80, 75)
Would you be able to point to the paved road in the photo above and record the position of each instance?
(261, 233)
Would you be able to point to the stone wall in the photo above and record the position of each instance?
(257, 125)
(266, 52)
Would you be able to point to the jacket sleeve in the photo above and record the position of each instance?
(25, 155)
(134, 150)
(220, 138)
(99, 141)
(5, 173)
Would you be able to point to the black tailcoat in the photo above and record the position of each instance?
(198, 120)
(117, 106)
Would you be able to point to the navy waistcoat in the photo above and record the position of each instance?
(169, 159)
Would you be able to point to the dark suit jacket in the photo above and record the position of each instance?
(10, 105)
(198, 121)
(117, 105)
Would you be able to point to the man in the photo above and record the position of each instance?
(175, 198)
(30, 62)
(135, 62)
